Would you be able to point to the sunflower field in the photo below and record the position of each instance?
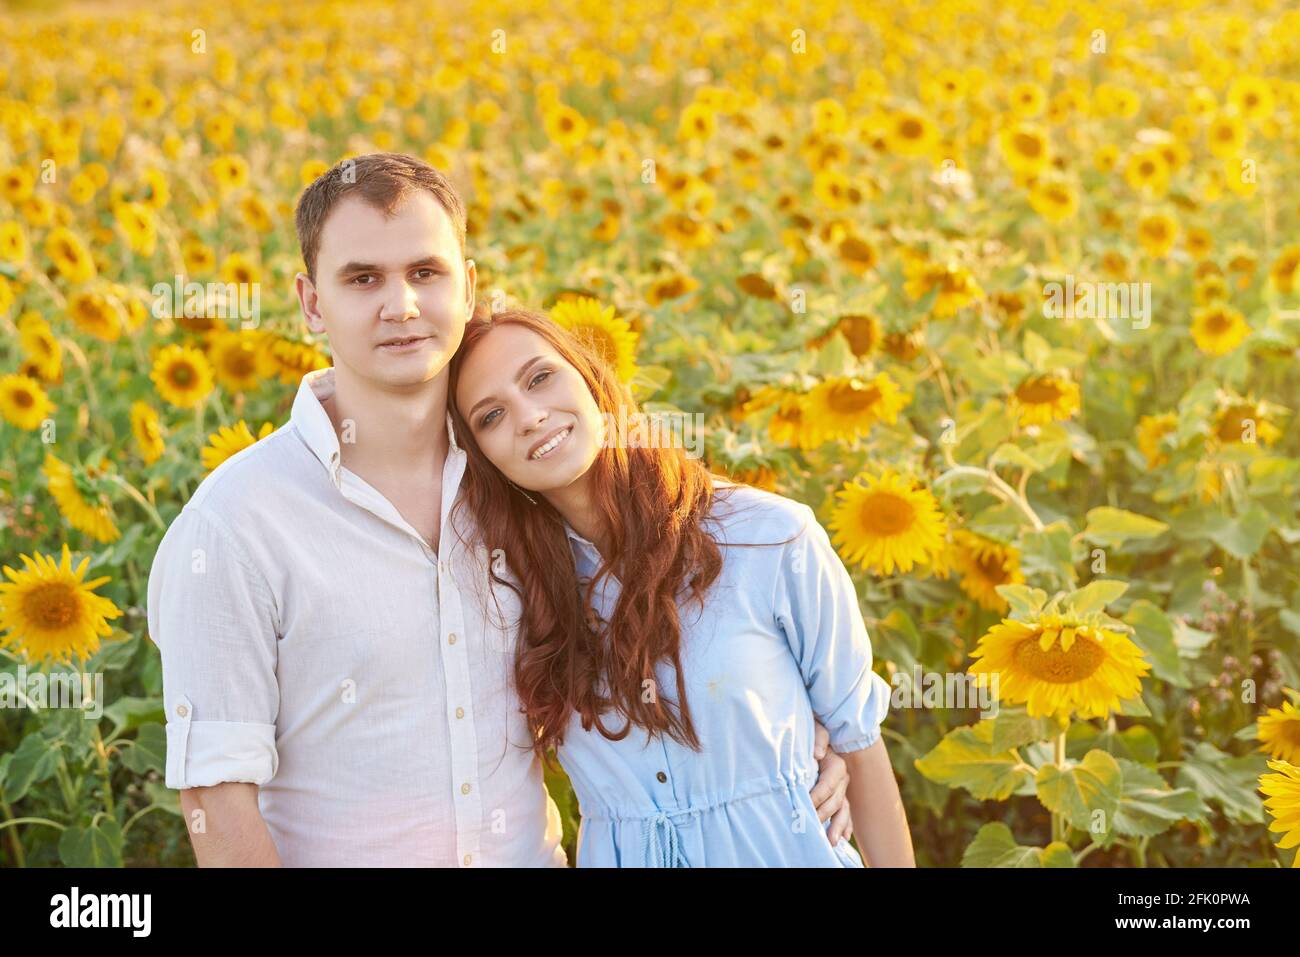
(1008, 292)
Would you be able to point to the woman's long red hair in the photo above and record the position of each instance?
(652, 500)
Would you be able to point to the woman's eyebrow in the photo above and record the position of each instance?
(523, 371)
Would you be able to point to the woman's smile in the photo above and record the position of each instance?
(550, 444)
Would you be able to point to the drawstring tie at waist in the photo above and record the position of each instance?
(661, 850)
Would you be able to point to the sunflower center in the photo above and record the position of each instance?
(240, 363)
(851, 400)
(1038, 391)
(1060, 667)
(1028, 145)
(884, 513)
(51, 606)
(910, 129)
(990, 567)
(24, 399)
(182, 375)
(1218, 322)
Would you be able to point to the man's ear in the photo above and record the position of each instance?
(307, 302)
(471, 282)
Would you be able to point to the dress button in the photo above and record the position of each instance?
(464, 789)
(460, 712)
(451, 639)
(182, 710)
(663, 778)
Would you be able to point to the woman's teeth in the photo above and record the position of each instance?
(552, 444)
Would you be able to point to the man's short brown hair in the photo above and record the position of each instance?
(381, 179)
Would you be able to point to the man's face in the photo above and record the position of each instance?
(393, 294)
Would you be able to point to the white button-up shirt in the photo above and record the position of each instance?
(314, 644)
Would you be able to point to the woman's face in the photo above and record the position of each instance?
(521, 397)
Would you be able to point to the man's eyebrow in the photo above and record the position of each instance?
(523, 371)
(347, 269)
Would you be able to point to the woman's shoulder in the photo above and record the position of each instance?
(743, 513)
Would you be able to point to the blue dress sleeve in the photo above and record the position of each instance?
(816, 606)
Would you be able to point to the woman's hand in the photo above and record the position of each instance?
(829, 793)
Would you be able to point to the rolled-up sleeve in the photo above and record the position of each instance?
(816, 606)
(213, 617)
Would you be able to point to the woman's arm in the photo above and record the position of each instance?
(879, 819)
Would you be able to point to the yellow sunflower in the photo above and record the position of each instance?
(228, 440)
(1251, 97)
(1025, 148)
(49, 611)
(1156, 234)
(147, 429)
(95, 519)
(240, 360)
(1044, 398)
(230, 172)
(70, 255)
(182, 375)
(564, 126)
(1279, 729)
(1283, 804)
(1238, 421)
(597, 326)
(40, 346)
(844, 408)
(1054, 199)
(956, 286)
(23, 402)
(1218, 329)
(1148, 170)
(984, 564)
(97, 314)
(139, 227)
(1061, 664)
(673, 286)
(788, 424)
(294, 359)
(13, 242)
(1151, 430)
(1285, 271)
(910, 134)
(887, 522)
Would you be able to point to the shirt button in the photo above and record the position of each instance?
(464, 789)
(460, 712)
(468, 858)
(182, 710)
(451, 639)
(663, 778)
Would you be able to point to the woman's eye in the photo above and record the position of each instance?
(539, 377)
(488, 419)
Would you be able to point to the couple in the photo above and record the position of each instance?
(376, 622)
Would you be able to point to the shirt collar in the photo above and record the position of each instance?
(313, 422)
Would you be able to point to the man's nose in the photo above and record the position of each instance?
(401, 303)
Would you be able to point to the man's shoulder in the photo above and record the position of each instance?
(267, 468)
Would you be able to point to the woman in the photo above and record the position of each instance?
(678, 632)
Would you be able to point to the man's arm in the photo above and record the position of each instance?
(226, 826)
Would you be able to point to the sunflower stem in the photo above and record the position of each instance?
(1059, 826)
(999, 488)
(102, 757)
(20, 859)
(143, 502)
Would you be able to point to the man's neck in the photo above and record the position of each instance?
(395, 431)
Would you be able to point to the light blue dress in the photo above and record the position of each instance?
(781, 638)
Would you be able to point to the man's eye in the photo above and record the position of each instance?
(540, 375)
(426, 273)
(356, 280)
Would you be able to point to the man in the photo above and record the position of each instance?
(338, 691)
